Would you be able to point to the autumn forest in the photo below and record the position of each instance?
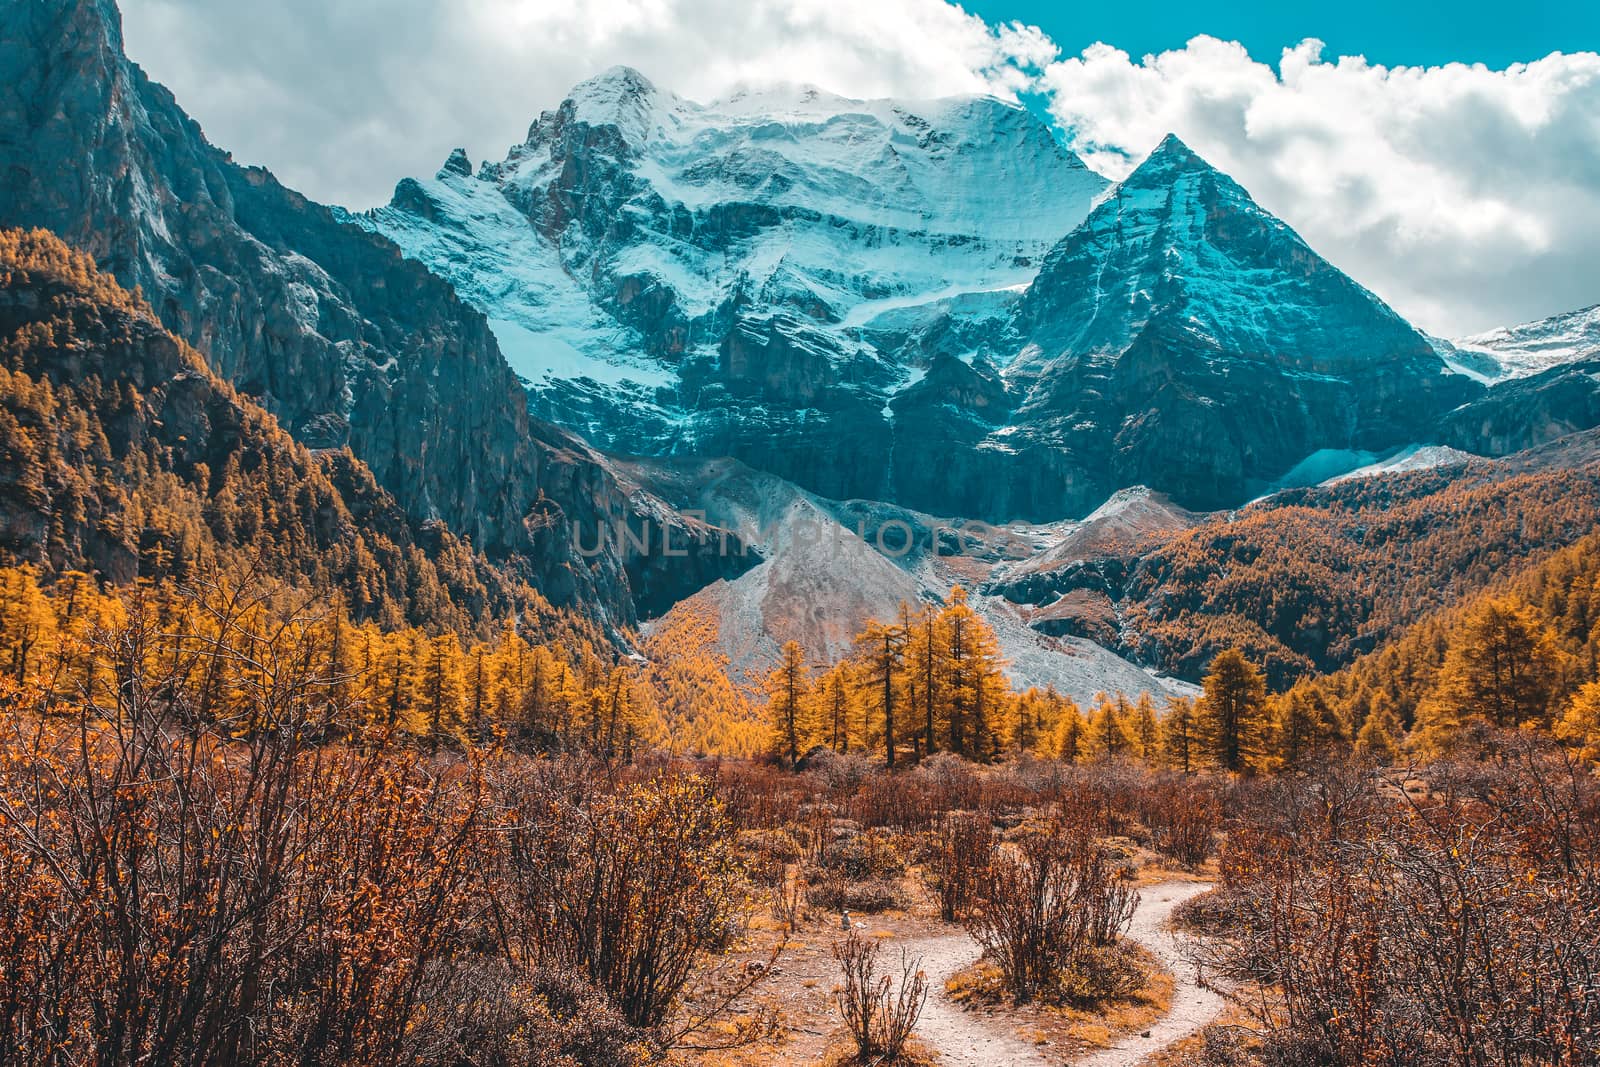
(287, 776)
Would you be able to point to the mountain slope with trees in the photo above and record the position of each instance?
(125, 457)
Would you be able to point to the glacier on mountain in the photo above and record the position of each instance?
(633, 232)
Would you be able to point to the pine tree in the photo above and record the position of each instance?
(959, 622)
(1378, 737)
(1232, 711)
(1032, 719)
(788, 686)
(1580, 726)
(1146, 732)
(1108, 731)
(1068, 741)
(837, 699)
(882, 651)
(27, 624)
(478, 706)
(1503, 667)
(972, 679)
(1306, 725)
(442, 689)
(1180, 735)
(926, 663)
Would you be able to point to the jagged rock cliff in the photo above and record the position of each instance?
(342, 339)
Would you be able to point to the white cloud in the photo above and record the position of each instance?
(342, 99)
(1466, 197)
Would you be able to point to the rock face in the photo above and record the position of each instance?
(1185, 339)
(747, 277)
(342, 339)
(1525, 412)
(873, 299)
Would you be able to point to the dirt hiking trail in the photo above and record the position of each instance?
(971, 1039)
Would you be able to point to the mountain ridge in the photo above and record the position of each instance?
(344, 340)
(950, 397)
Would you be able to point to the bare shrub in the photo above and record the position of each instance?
(1182, 816)
(837, 893)
(904, 802)
(879, 1011)
(768, 854)
(859, 856)
(1045, 901)
(630, 888)
(482, 1010)
(837, 772)
(961, 853)
(1461, 926)
(954, 783)
(757, 796)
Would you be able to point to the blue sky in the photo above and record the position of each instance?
(1415, 34)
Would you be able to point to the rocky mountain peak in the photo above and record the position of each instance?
(742, 276)
(1170, 155)
(621, 98)
(1180, 241)
(1180, 310)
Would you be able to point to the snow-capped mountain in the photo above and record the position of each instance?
(1532, 347)
(676, 277)
(875, 299)
(1185, 339)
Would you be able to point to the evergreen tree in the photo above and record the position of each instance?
(1145, 730)
(442, 689)
(837, 699)
(1180, 740)
(1231, 712)
(27, 623)
(1108, 730)
(1306, 725)
(926, 663)
(787, 688)
(1378, 738)
(882, 651)
(1580, 726)
(1503, 667)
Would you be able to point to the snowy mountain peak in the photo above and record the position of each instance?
(620, 97)
(607, 90)
(1176, 169)
(1180, 242)
(1173, 151)
(1181, 311)
(1531, 347)
(753, 275)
